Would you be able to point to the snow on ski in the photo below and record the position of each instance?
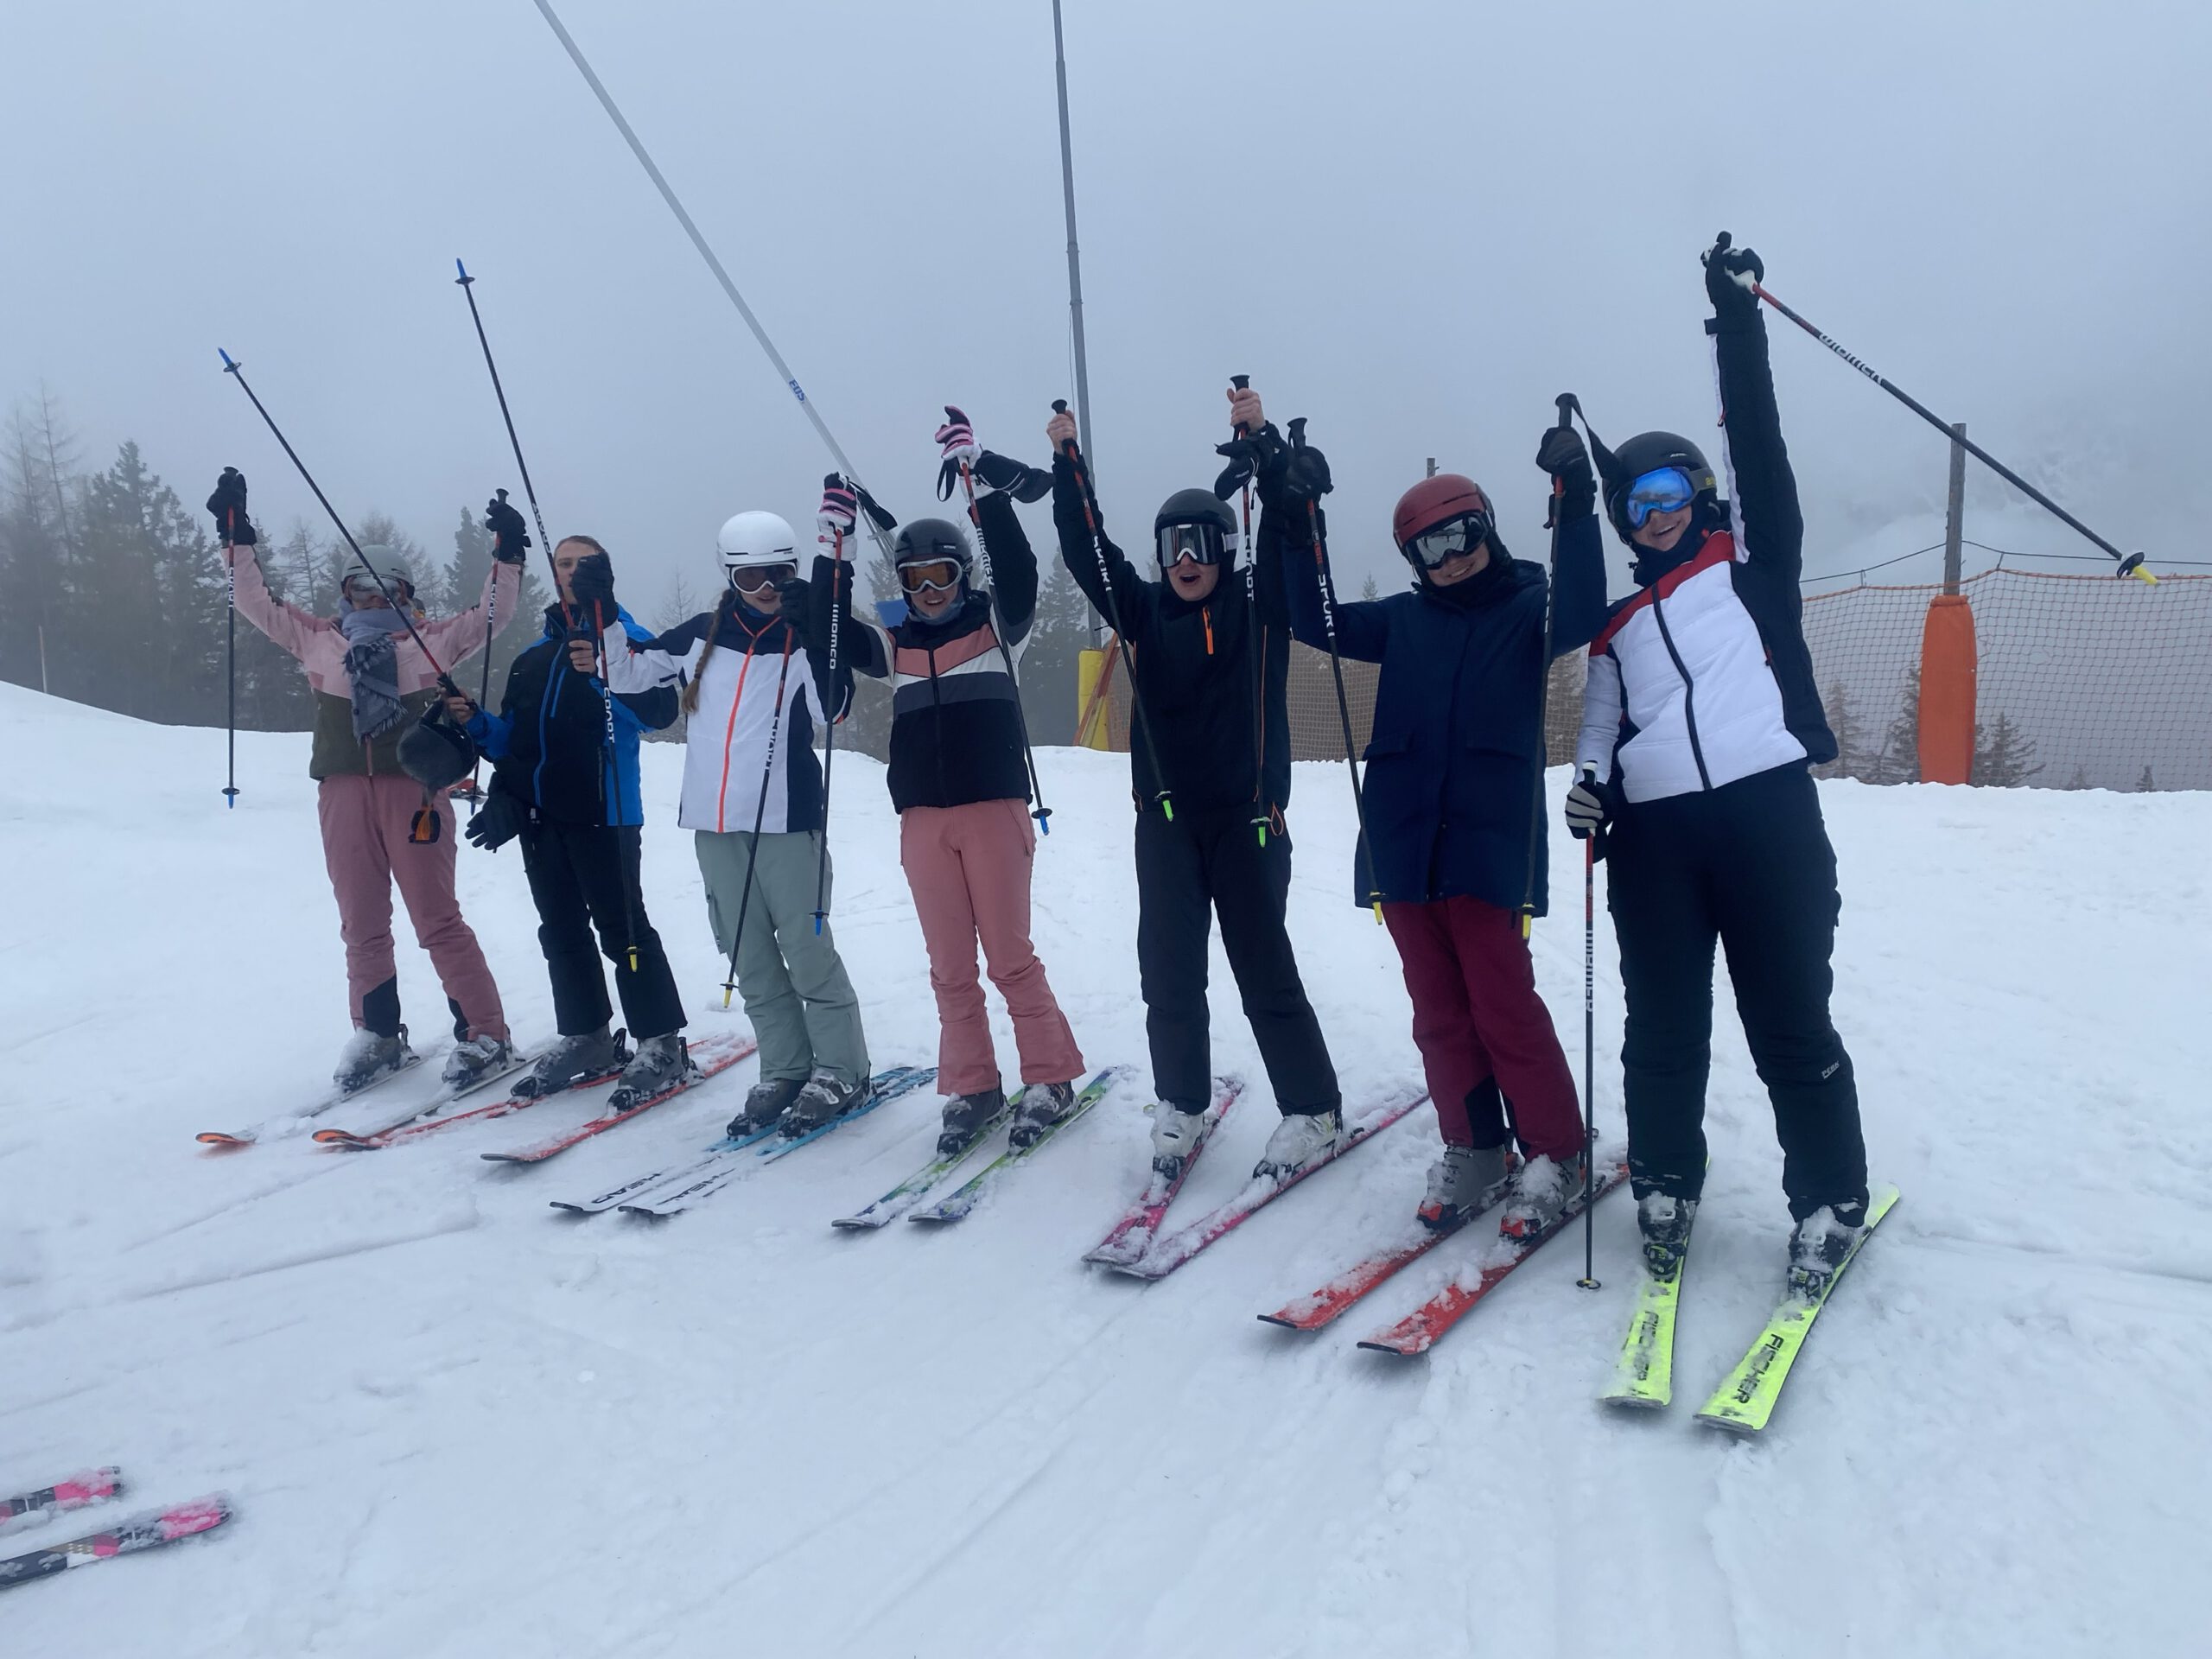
(888, 1086)
(1746, 1400)
(416, 1125)
(80, 1491)
(1129, 1237)
(1420, 1329)
(277, 1127)
(713, 1057)
(149, 1530)
(1165, 1255)
(515, 1061)
(964, 1198)
(916, 1187)
(1317, 1307)
(1643, 1376)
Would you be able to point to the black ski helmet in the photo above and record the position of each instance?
(1647, 452)
(436, 751)
(1204, 509)
(922, 540)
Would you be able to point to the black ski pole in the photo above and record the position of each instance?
(467, 284)
(761, 817)
(2130, 564)
(1165, 798)
(1336, 668)
(1567, 404)
(1589, 1279)
(231, 580)
(828, 744)
(1043, 813)
(633, 878)
(1259, 629)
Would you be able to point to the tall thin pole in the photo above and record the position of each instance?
(1955, 520)
(1075, 264)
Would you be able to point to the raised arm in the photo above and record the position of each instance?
(454, 640)
(1770, 524)
(1119, 594)
(292, 630)
(1578, 595)
(1294, 535)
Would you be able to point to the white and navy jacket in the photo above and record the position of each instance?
(1702, 676)
(728, 740)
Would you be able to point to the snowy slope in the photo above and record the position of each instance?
(460, 1424)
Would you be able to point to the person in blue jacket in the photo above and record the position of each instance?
(572, 797)
(1454, 768)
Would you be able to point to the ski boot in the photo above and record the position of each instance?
(1463, 1181)
(1174, 1132)
(570, 1060)
(764, 1108)
(659, 1065)
(473, 1059)
(966, 1117)
(1301, 1139)
(370, 1056)
(1822, 1242)
(823, 1099)
(1043, 1106)
(1664, 1220)
(1542, 1188)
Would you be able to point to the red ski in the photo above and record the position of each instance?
(1133, 1234)
(148, 1531)
(714, 1056)
(1317, 1308)
(347, 1141)
(78, 1491)
(1418, 1330)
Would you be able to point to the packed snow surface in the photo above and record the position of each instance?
(457, 1422)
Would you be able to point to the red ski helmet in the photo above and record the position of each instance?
(1437, 501)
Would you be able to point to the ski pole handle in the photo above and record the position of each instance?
(1241, 383)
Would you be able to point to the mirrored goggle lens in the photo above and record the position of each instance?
(933, 576)
(1200, 542)
(1448, 541)
(754, 578)
(1666, 490)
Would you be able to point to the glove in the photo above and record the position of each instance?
(994, 473)
(1589, 806)
(509, 539)
(1562, 455)
(1262, 456)
(835, 518)
(797, 595)
(1306, 474)
(498, 821)
(958, 439)
(594, 585)
(1729, 274)
(228, 505)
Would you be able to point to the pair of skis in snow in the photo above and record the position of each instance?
(672, 1189)
(289, 1123)
(148, 1530)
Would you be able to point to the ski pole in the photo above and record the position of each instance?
(1252, 621)
(1336, 668)
(1043, 813)
(644, 160)
(829, 750)
(231, 583)
(232, 367)
(2130, 564)
(1165, 798)
(1566, 402)
(613, 770)
(1589, 1279)
(761, 817)
(467, 284)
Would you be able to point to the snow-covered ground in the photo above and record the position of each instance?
(457, 1423)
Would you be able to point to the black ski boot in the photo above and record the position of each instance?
(370, 1056)
(764, 1104)
(966, 1117)
(1822, 1242)
(571, 1060)
(1664, 1220)
(659, 1065)
(824, 1100)
(1043, 1106)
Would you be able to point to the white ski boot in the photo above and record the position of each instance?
(1299, 1140)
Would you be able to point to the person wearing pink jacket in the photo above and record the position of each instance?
(372, 681)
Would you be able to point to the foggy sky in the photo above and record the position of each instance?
(1413, 223)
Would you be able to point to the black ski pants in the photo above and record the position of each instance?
(1748, 864)
(580, 874)
(1201, 865)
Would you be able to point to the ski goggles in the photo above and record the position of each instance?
(930, 575)
(1664, 489)
(363, 590)
(1451, 539)
(754, 578)
(1201, 543)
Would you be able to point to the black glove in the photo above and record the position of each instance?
(1725, 270)
(996, 472)
(510, 538)
(1262, 456)
(1306, 476)
(1589, 806)
(498, 821)
(796, 597)
(594, 586)
(228, 505)
(877, 515)
(1562, 455)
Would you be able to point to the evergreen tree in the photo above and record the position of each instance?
(1368, 590)
(36, 558)
(2001, 753)
(1842, 711)
(1899, 760)
(161, 598)
(2144, 785)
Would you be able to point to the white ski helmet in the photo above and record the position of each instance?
(750, 540)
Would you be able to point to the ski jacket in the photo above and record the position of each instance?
(549, 740)
(316, 645)
(1456, 756)
(729, 736)
(955, 712)
(1702, 675)
(1214, 676)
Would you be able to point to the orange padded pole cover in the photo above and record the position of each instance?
(1948, 669)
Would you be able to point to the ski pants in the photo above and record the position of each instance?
(365, 822)
(969, 869)
(797, 992)
(1191, 869)
(1481, 1029)
(582, 876)
(1748, 864)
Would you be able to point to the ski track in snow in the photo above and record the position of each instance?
(458, 1422)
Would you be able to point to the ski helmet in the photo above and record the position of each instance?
(389, 562)
(1194, 521)
(436, 751)
(1427, 515)
(1651, 451)
(923, 542)
(754, 541)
